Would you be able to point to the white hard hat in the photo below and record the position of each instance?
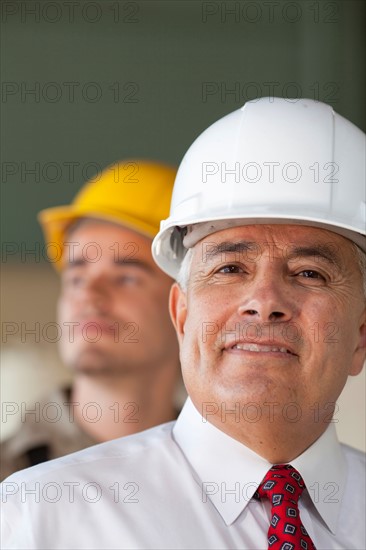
(272, 161)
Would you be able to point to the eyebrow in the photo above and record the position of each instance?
(74, 263)
(322, 251)
(229, 247)
(134, 262)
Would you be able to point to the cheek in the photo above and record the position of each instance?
(189, 351)
(152, 310)
(201, 328)
(213, 315)
(64, 308)
(150, 313)
(331, 336)
(322, 322)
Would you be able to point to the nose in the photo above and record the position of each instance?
(95, 295)
(267, 300)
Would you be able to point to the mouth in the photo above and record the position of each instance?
(261, 348)
(101, 325)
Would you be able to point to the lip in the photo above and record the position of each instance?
(106, 326)
(269, 348)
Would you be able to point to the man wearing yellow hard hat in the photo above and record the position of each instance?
(117, 336)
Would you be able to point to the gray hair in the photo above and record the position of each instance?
(361, 259)
(184, 270)
(185, 267)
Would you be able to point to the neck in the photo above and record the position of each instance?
(274, 438)
(281, 444)
(108, 407)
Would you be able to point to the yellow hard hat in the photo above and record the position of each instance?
(134, 193)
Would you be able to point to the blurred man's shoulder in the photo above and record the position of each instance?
(125, 453)
(46, 430)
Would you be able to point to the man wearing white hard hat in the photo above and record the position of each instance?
(266, 238)
(116, 334)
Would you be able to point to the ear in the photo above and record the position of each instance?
(178, 310)
(359, 355)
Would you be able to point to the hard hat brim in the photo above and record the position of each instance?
(166, 255)
(56, 221)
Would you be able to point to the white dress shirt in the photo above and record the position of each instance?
(182, 485)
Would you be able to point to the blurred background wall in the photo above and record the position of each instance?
(87, 83)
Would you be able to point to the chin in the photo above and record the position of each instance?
(98, 363)
(90, 361)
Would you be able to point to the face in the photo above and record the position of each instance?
(273, 315)
(113, 307)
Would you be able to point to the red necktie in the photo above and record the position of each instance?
(283, 486)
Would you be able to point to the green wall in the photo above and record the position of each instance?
(118, 79)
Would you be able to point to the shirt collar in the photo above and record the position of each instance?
(223, 464)
(323, 468)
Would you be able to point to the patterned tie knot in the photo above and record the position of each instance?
(282, 483)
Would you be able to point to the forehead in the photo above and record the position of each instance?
(105, 240)
(275, 239)
(86, 229)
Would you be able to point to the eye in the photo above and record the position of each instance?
(311, 274)
(74, 281)
(127, 280)
(230, 269)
